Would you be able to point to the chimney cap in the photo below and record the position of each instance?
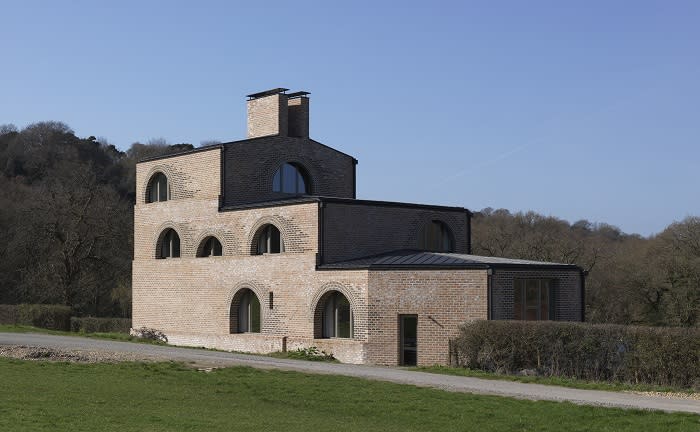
(298, 94)
(267, 93)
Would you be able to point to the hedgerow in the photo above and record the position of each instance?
(666, 356)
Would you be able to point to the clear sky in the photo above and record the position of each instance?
(575, 109)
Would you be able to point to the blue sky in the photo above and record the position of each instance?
(580, 110)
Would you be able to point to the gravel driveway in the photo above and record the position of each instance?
(97, 350)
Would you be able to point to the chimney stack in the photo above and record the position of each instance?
(273, 112)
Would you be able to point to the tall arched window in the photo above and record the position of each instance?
(336, 316)
(436, 237)
(211, 246)
(169, 246)
(158, 188)
(269, 240)
(290, 178)
(245, 312)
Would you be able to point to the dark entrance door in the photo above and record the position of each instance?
(408, 340)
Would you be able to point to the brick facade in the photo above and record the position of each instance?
(249, 167)
(377, 228)
(567, 289)
(226, 192)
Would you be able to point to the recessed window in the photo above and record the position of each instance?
(158, 188)
(169, 246)
(436, 237)
(211, 246)
(290, 178)
(269, 240)
(336, 316)
(533, 299)
(245, 312)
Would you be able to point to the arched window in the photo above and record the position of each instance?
(290, 178)
(436, 237)
(158, 188)
(211, 246)
(169, 246)
(269, 240)
(335, 316)
(245, 312)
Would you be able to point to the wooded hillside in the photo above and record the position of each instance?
(66, 236)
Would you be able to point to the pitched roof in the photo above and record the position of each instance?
(412, 259)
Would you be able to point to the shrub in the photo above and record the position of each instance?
(55, 317)
(100, 325)
(150, 334)
(652, 355)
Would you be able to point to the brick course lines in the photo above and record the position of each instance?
(567, 289)
(442, 300)
(372, 230)
(251, 165)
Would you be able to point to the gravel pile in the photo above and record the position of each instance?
(22, 352)
(668, 395)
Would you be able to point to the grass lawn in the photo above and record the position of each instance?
(44, 396)
(559, 381)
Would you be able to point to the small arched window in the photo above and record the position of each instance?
(211, 246)
(436, 236)
(245, 312)
(269, 240)
(169, 244)
(336, 316)
(290, 178)
(158, 188)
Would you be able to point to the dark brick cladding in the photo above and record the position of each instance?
(250, 165)
(355, 230)
(567, 292)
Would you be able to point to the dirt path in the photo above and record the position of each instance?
(105, 350)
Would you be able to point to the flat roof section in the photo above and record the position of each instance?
(424, 260)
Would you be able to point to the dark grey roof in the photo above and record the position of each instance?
(409, 259)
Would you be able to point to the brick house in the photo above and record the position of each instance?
(261, 245)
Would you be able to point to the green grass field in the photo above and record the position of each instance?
(44, 396)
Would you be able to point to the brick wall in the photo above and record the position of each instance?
(251, 165)
(354, 230)
(267, 116)
(442, 300)
(567, 292)
(298, 114)
(192, 175)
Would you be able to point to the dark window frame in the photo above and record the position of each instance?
(269, 240)
(528, 307)
(301, 186)
(169, 245)
(436, 236)
(211, 246)
(158, 188)
(337, 317)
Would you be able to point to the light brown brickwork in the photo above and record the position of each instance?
(193, 175)
(267, 116)
(442, 299)
(226, 192)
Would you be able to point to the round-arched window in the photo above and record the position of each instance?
(335, 315)
(169, 246)
(290, 178)
(158, 188)
(269, 240)
(245, 312)
(436, 236)
(211, 246)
